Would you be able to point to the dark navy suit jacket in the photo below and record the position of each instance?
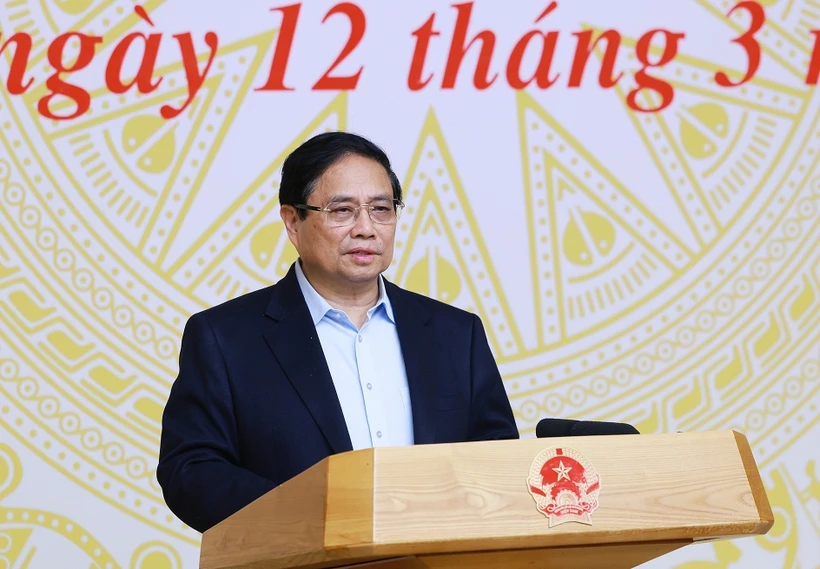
(254, 403)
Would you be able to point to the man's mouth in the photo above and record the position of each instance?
(360, 254)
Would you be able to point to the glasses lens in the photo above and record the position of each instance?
(383, 214)
(340, 214)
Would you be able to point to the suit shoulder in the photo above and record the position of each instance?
(436, 307)
(237, 309)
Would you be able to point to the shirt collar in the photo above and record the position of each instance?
(318, 306)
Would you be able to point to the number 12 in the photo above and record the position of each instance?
(281, 54)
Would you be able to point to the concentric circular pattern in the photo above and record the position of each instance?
(710, 322)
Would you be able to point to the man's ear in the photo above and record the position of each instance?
(292, 221)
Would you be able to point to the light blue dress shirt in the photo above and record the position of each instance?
(367, 368)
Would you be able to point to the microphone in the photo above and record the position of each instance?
(548, 428)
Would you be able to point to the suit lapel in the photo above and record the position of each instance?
(295, 343)
(418, 350)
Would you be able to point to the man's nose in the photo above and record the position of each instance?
(363, 225)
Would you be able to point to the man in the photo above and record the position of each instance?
(330, 359)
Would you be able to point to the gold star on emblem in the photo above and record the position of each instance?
(562, 471)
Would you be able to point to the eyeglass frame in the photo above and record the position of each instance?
(398, 205)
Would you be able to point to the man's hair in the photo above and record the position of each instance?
(305, 165)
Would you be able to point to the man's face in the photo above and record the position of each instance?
(353, 254)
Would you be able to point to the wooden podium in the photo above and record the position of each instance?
(476, 505)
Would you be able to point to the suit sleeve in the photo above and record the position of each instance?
(199, 452)
(491, 416)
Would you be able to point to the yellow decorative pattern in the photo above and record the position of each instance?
(439, 250)
(26, 534)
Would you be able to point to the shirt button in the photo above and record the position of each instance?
(379, 434)
(360, 338)
(370, 386)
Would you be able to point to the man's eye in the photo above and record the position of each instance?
(341, 209)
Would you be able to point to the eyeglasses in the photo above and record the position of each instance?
(341, 214)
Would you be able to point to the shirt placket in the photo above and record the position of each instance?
(371, 390)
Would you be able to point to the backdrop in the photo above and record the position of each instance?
(640, 240)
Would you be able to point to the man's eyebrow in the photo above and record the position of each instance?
(339, 198)
(382, 198)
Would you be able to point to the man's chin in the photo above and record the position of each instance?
(359, 272)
